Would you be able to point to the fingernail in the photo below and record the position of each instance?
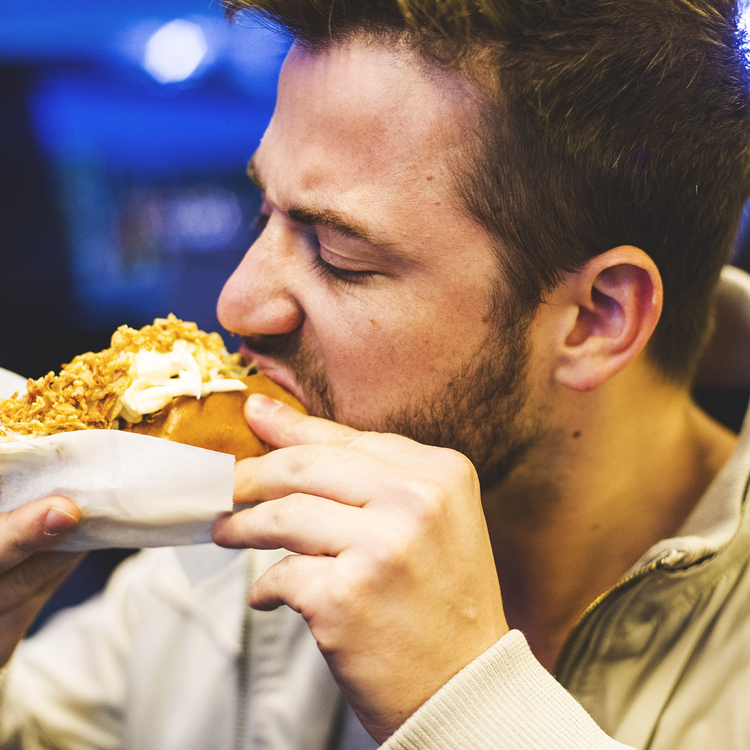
(260, 404)
(58, 520)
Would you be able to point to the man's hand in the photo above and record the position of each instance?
(29, 572)
(395, 574)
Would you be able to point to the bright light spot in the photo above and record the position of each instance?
(175, 51)
(744, 16)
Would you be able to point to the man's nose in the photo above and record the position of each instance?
(259, 297)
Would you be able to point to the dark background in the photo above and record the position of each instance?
(123, 198)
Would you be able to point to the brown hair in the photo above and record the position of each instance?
(605, 122)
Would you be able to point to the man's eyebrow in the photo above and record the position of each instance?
(335, 222)
(332, 220)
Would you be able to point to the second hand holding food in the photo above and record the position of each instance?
(394, 572)
(29, 571)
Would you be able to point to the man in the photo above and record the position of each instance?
(489, 242)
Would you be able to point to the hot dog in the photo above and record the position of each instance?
(168, 379)
(215, 422)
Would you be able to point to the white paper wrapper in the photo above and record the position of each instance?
(133, 490)
(10, 383)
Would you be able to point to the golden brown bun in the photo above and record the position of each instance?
(217, 421)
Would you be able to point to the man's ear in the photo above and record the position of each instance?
(607, 311)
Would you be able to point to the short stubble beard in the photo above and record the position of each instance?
(478, 412)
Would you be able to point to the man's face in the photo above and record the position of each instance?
(369, 293)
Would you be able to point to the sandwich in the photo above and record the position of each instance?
(169, 380)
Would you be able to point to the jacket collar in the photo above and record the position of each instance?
(716, 518)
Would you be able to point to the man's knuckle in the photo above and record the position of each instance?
(453, 463)
(344, 592)
(349, 434)
(303, 458)
(425, 498)
(276, 574)
(389, 552)
(353, 592)
(278, 512)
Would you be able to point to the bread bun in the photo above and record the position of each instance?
(217, 421)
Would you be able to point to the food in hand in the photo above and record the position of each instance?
(216, 422)
(168, 379)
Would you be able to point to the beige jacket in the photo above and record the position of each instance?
(660, 662)
(169, 657)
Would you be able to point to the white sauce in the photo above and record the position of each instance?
(159, 377)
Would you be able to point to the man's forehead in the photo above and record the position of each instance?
(361, 114)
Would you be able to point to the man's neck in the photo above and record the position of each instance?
(590, 501)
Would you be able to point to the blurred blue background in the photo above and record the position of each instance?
(124, 132)
(125, 129)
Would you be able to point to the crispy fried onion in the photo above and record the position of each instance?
(86, 394)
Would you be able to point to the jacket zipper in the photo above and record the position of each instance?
(663, 562)
(621, 584)
(243, 663)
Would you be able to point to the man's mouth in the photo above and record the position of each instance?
(271, 368)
